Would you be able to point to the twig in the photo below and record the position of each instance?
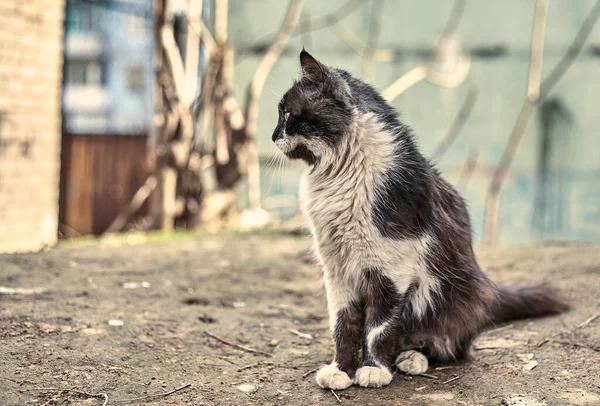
(488, 348)
(452, 379)
(312, 371)
(579, 345)
(544, 341)
(162, 394)
(457, 124)
(256, 364)
(429, 376)
(238, 346)
(54, 399)
(588, 321)
(301, 335)
(91, 395)
(336, 395)
(496, 330)
(533, 97)
(226, 359)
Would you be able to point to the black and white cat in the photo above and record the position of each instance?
(393, 238)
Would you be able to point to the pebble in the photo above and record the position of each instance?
(247, 388)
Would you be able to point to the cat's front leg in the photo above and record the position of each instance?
(382, 328)
(346, 319)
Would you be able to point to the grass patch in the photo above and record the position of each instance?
(137, 238)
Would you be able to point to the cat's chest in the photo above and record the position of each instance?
(340, 220)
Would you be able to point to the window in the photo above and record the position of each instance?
(83, 72)
(135, 79)
(84, 16)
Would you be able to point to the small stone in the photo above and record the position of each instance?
(115, 323)
(238, 305)
(247, 388)
(145, 284)
(131, 285)
(530, 365)
(525, 357)
(274, 343)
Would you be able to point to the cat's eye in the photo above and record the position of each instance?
(286, 115)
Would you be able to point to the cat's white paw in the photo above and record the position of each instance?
(412, 362)
(331, 377)
(373, 377)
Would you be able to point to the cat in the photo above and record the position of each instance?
(392, 236)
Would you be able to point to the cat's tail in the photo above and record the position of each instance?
(522, 302)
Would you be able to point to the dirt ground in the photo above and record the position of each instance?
(262, 293)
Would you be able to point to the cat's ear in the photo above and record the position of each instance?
(312, 70)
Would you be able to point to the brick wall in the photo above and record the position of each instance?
(31, 38)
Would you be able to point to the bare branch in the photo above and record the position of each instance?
(533, 91)
(222, 130)
(209, 43)
(445, 79)
(221, 15)
(204, 113)
(405, 82)
(307, 35)
(192, 51)
(234, 113)
(174, 60)
(453, 79)
(360, 47)
(454, 18)
(136, 203)
(499, 175)
(467, 171)
(574, 49)
(329, 19)
(373, 35)
(537, 50)
(421, 72)
(311, 24)
(255, 90)
(457, 124)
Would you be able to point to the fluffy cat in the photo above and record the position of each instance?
(393, 238)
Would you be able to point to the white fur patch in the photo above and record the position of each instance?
(373, 377)
(374, 333)
(412, 362)
(331, 377)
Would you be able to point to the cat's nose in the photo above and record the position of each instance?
(278, 134)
